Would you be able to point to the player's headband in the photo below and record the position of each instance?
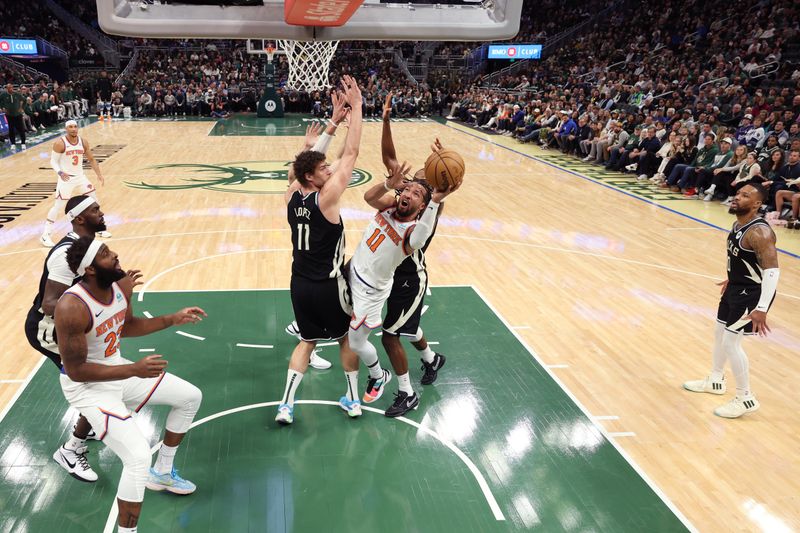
(70, 123)
(89, 257)
(76, 211)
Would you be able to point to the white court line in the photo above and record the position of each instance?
(434, 343)
(427, 291)
(147, 314)
(597, 425)
(557, 366)
(147, 349)
(263, 346)
(606, 417)
(12, 381)
(21, 389)
(484, 486)
(425, 309)
(616, 434)
(195, 337)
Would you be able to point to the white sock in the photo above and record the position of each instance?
(121, 529)
(74, 443)
(166, 456)
(718, 354)
(427, 354)
(404, 383)
(739, 363)
(352, 385)
(293, 380)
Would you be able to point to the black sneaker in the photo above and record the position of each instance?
(431, 369)
(403, 403)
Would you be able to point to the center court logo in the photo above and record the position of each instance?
(249, 177)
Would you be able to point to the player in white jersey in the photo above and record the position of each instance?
(402, 225)
(67, 161)
(107, 389)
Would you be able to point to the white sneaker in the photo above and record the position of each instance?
(46, 241)
(293, 330)
(631, 167)
(728, 201)
(641, 177)
(707, 385)
(708, 197)
(738, 406)
(103, 234)
(13, 148)
(587, 158)
(318, 362)
(75, 463)
(285, 414)
(23, 147)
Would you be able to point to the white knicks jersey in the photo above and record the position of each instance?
(71, 161)
(103, 338)
(382, 248)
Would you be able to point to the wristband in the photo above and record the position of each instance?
(332, 123)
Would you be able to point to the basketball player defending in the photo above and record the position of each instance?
(87, 219)
(91, 317)
(318, 286)
(747, 295)
(402, 225)
(67, 161)
(404, 305)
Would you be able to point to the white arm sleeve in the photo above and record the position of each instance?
(424, 228)
(769, 285)
(322, 143)
(54, 157)
(57, 268)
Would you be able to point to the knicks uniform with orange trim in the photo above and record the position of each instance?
(110, 405)
(383, 247)
(71, 162)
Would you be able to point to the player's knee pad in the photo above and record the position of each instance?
(359, 339)
(730, 341)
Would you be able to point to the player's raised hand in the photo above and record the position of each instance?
(437, 145)
(352, 92)
(440, 194)
(312, 134)
(398, 176)
(188, 315)
(387, 106)
(151, 366)
(135, 277)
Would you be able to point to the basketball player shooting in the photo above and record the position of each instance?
(66, 159)
(402, 225)
(747, 296)
(107, 389)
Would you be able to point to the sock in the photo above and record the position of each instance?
(121, 529)
(404, 383)
(427, 354)
(718, 354)
(352, 385)
(166, 455)
(375, 371)
(739, 363)
(293, 380)
(74, 443)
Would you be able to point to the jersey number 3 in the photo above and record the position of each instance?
(75, 160)
(375, 240)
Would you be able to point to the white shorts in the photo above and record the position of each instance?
(76, 186)
(367, 303)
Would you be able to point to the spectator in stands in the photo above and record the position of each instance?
(684, 177)
(705, 177)
(12, 103)
(646, 164)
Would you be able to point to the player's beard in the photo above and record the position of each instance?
(738, 210)
(106, 276)
(100, 226)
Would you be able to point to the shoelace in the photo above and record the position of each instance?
(81, 454)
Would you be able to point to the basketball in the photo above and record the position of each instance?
(444, 169)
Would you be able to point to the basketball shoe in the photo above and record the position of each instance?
(706, 385)
(170, 482)
(103, 234)
(285, 414)
(432, 369)
(46, 241)
(738, 406)
(75, 463)
(351, 407)
(403, 403)
(320, 363)
(375, 387)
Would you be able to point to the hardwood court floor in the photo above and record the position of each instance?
(616, 294)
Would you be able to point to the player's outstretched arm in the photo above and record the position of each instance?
(138, 327)
(87, 151)
(332, 190)
(388, 152)
(382, 195)
(72, 322)
(423, 229)
(761, 239)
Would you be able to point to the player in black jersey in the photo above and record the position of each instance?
(405, 302)
(320, 296)
(747, 295)
(87, 219)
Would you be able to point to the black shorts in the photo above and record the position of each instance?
(40, 331)
(736, 303)
(322, 309)
(404, 306)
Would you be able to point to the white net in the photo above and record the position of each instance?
(308, 63)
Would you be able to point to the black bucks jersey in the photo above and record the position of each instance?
(743, 267)
(744, 281)
(318, 245)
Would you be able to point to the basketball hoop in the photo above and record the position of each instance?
(270, 51)
(309, 62)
